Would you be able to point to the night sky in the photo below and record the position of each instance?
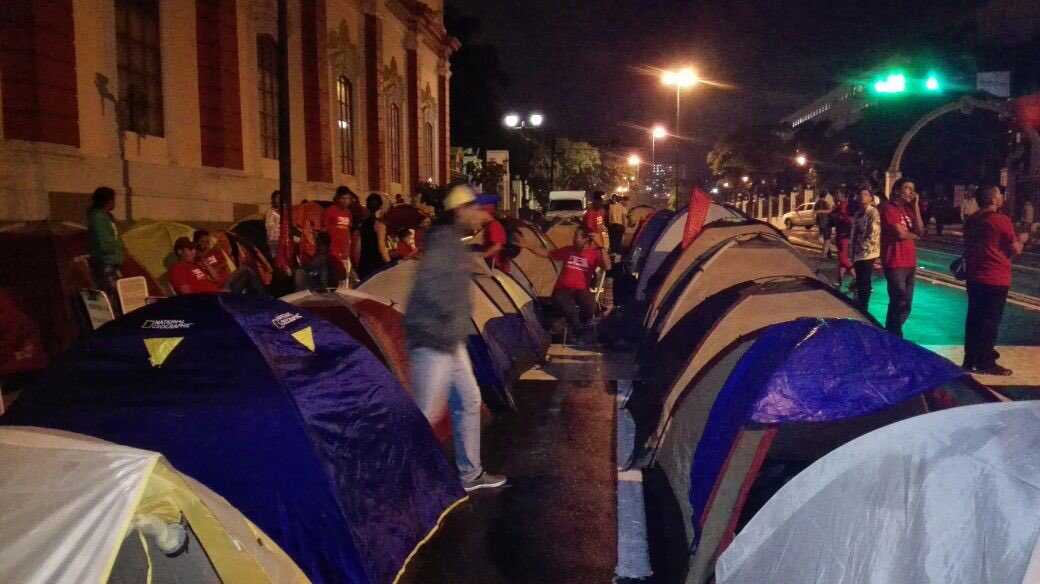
(580, 62)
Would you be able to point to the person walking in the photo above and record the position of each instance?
(373, 254)
(901, 227)
(989, 244)
(437, 324)
(866, 245)
(273, 223)
(842, 222)
(822, 211)
(595, 220)
(103, 244)
(616, 228)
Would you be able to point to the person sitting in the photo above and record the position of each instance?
(407, 248)
(571, 294)
(186, 276)
(222, 271)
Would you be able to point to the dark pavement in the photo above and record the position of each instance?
(556, 521)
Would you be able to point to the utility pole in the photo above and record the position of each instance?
(284, 142)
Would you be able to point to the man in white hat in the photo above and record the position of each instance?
(436, 326)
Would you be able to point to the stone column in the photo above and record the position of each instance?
(414, 131)
(315, 67)
(373, 51)
(443, 130)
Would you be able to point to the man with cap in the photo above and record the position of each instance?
(186, 276)
(437, 324)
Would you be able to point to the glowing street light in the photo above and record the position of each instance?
(512, 120)
(684, 77)
(634, 160)
(801, 160)
(658, 132)
(536, 120)
(745, 178)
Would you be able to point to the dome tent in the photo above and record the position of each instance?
(277, 410)
(954, 495)
(768, 410)
(93, 511)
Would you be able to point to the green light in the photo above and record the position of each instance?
(932, 84)
(894, 83)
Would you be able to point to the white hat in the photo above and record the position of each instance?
(458, 196)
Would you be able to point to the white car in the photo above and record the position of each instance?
(803, 216)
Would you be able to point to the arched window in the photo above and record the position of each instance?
(267, 75)
(345, 123)
(139, 65)
(428, 150)
(395, 143)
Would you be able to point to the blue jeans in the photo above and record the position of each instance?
(440, 379)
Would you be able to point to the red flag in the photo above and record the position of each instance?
(698, 211)
(283, 257)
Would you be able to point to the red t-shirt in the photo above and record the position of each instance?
(578, 267)
(218, 261)
(896, 253)
(988, 240)
(496, 233)
(337, 223)
(594, 220)
(192, 276)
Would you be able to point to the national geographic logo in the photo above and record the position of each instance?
(285, 319)
(166, 324)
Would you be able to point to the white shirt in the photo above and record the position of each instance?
(273, 224)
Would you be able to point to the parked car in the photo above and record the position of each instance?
(803, 216)
(565, 204)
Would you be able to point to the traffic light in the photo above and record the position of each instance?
(894, 83)
(932, 83)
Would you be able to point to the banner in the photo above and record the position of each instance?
(699, 203)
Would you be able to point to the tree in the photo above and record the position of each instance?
(488, 175)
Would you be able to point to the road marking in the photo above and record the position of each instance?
(633, 550)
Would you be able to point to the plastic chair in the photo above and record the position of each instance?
(133, 293)
(98, 307)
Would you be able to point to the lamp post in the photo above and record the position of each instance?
(682, 78)
(515, 121)
(658, 132)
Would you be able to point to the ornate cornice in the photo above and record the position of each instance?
(344, 54)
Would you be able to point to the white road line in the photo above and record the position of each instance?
(633, 551)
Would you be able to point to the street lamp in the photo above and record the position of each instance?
(514, 121)
(801, 160)
(684, 77)
(634, 160)
(658, 132)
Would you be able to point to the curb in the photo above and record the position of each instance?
(948, 279)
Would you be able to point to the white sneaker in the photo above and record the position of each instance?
(484, 481)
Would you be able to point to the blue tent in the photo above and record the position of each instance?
(295, 423)
(780, 401)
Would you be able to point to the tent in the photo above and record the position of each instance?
(709, 238)
(767, 410)
(739, 259)
(636, 215)
(950, 496)
(401, 217)
(372, 321)
(279, 411)
(255, 232)
(709, 333)
(562, 234)
(501, 345)
(21, 350)
(540, 271)
(80, 509)
(672, 236)
(45, 267)
(644, 238)
(150, 243)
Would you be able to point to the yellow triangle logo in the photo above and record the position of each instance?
(160, 349)
(306, 338)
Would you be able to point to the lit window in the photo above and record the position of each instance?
(139, 66)
(395, 143)
(345, 123)
(267, 67)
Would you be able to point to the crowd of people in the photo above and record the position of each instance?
(865, 232)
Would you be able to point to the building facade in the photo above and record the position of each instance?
(175, 103)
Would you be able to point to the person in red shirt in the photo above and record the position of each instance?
(842, 222)
(595, 220)
(989, 244)
(901, 227)
(222, 271)
(337, 222)
(186, 276)
(571, 295)
(495, 238)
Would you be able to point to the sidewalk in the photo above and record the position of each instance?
(556, 521)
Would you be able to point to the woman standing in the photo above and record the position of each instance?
(866, 245)
(374, 254)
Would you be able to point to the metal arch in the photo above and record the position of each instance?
(965, 105)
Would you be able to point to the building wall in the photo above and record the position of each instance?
(63, 141)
